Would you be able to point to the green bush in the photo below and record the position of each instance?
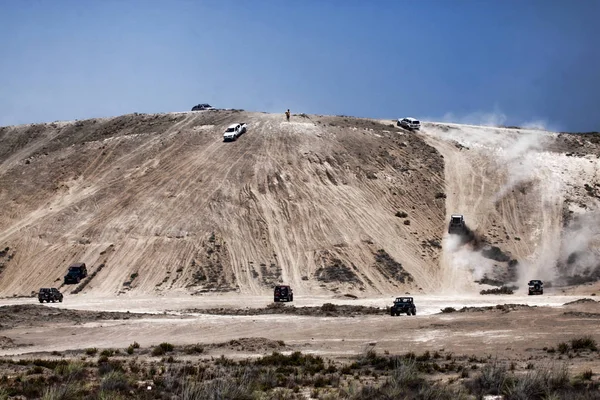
(162, 349)
(584, 342)
(114, 380)
(158, 351)
(563, 348)
(107, 352)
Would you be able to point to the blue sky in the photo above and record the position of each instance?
(516, 61)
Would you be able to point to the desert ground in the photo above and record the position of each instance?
(185, 236)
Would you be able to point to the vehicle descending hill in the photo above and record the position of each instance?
(533, 199)
(156, 203)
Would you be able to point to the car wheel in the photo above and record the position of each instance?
(41, 301)
(60, 300)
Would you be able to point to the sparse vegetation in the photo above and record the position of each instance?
(390, 268)
(91, 351)
(500, 290)
(584, 343)
(448, 310)
(280, 376)
(335, 271)
(401, 214)
(162, 349)
(563, 348)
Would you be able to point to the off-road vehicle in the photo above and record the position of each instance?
(409, 123)
(457, 224)
(403, 305)
(76, 273)
(50, 295)
(536, 287)
(204, 106)
(283, 293)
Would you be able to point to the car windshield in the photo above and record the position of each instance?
(456, 219)
(416, 122)
(230, 130)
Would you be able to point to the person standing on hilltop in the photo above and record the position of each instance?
(287, 115)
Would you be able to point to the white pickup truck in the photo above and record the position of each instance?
(233, 131)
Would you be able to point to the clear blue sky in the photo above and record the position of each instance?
(527, 59)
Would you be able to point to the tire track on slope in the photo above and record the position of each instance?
(456, 171)
(57, 208)
(243, 148)
(163, 169)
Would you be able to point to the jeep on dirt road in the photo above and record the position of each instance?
(50, 295)
(283, 293)
(403, 305)
(535, 287)
(76, 273)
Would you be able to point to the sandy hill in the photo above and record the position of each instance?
(156, 203)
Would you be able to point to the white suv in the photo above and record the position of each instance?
(409, 123)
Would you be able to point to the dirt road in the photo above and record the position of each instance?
(482, 329)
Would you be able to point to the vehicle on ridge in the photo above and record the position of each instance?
(412, 124)
(201, 107)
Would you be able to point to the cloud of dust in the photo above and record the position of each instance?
(519, 155)
(572, 252)
(518, 159)
(579, 247)
(463, 261)
(494, 118)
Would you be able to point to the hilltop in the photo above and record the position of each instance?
(331, 205)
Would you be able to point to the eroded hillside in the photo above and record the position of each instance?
(156, 203)
(533, 199)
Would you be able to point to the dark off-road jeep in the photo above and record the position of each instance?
(536, 287)
(403, 305)
(76, 273)
(283, 293)
(50, 295)
(457, 224)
